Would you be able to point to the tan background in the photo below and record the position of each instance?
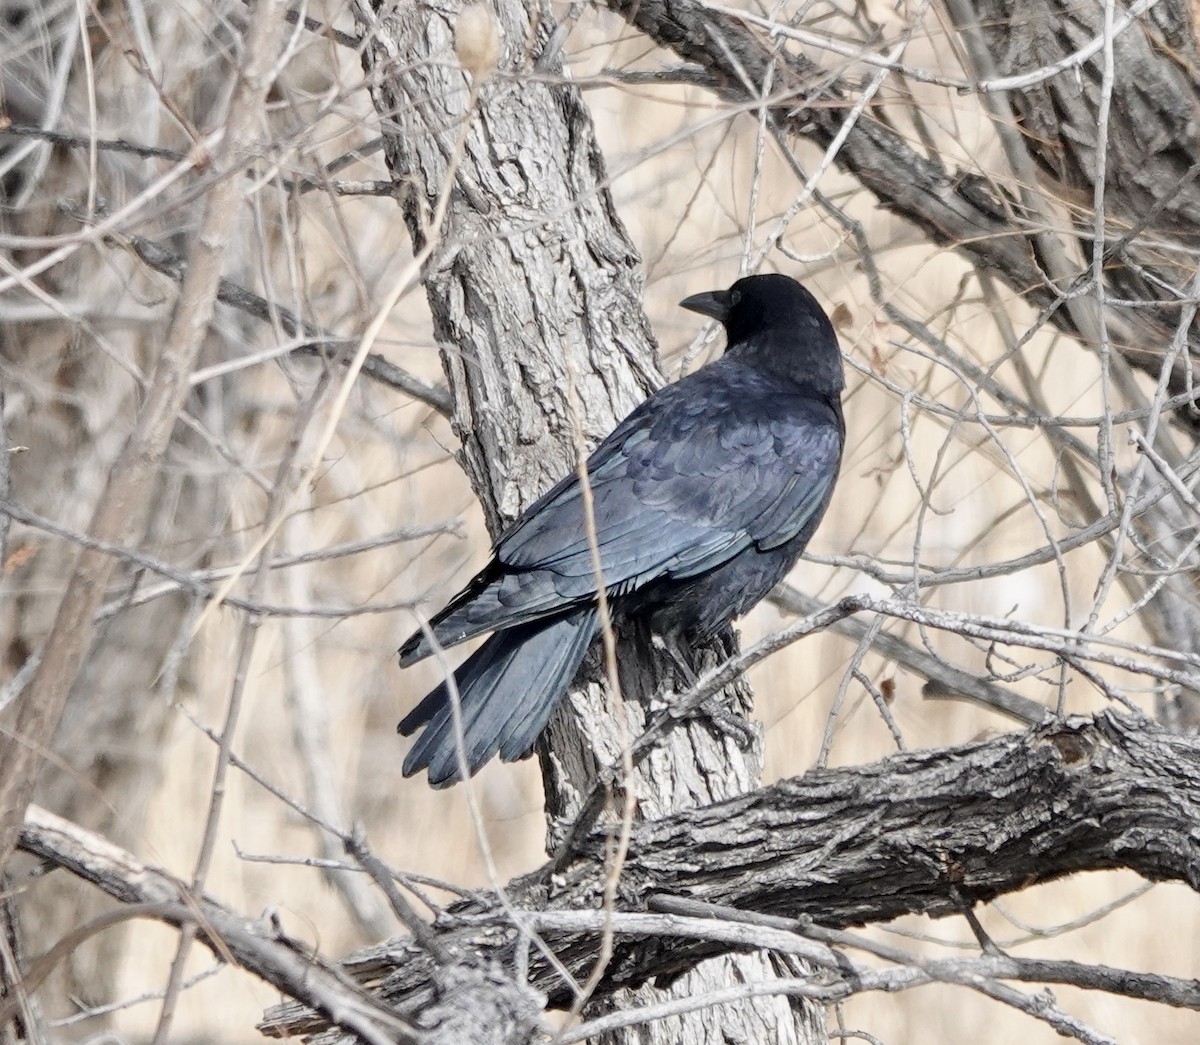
(684, 170)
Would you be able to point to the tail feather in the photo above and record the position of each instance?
(529, 718)
(495, 599)
(507, 691)
(478, 600)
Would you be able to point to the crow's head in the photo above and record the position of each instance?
(774, 322)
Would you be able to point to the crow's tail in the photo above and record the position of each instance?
(507, 690)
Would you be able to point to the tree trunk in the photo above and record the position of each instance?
(536, 296)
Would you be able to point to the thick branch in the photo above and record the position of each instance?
(924, 832)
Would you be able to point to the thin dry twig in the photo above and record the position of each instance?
(261, 948)
(27, 729)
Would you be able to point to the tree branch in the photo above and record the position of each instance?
(27, 729)
(958, 208)
(260, 947)
(922, 832)
(319, 343)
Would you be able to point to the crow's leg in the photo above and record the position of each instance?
(734, 726)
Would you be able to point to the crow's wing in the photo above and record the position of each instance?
(720, 461)
(712, 464)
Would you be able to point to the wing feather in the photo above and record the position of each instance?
(690, 483)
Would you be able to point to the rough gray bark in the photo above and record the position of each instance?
(535, 274)
(535, 290)
(930, 832)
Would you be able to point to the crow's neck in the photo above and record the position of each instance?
(819, 374)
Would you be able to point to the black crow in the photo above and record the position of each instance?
(703, 499)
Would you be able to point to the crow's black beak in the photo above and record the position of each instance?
(714, 303)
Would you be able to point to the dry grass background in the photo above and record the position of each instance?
(684, 170)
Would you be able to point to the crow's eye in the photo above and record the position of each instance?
(734, 297)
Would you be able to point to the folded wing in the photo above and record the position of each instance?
(718, 462)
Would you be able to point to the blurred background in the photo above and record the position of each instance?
(390, 519)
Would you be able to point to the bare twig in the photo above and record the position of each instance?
(27, 729)
(317, 343)
(261, 948)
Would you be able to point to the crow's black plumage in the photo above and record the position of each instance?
(703, 498)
